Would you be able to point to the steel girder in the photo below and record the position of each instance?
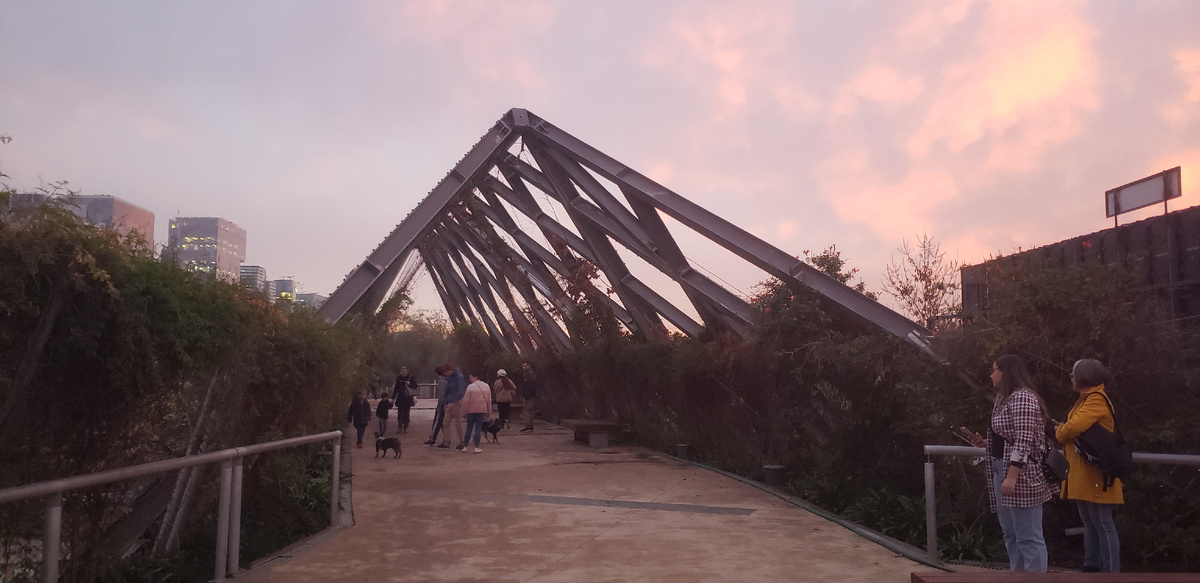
(477, 253)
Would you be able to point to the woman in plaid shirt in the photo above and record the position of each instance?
(1016, 444)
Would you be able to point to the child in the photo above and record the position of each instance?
(381, 411)
(359, 414)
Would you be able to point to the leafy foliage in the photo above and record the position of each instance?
(847, 409)
(107, 354)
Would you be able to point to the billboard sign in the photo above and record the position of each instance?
(1150, 190)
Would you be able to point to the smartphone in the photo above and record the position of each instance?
(963, 434)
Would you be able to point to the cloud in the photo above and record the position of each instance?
(1189, 70)
(494, 45)
(894, 209)
(1028, 83)
(726, 50)
(796, 103)
(880, 84)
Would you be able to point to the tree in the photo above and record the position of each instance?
(924, 283)
(829, 261)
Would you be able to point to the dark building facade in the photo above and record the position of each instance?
(1163, 251)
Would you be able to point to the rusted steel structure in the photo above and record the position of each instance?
(492, 274)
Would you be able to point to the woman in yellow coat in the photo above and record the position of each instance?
(1085, 483)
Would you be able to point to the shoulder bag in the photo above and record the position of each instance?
(1107, 450)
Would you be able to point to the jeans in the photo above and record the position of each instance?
(474, 424)
(438, 416)
(1022, 529)
(361, 430)
(382, 425)
(1101, 548)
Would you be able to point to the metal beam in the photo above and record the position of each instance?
(424, 217)
(750, 248)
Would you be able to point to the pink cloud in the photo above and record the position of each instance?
(731, 48)
(1029, 83)
(879, 84)
(894, 209)
(1189, 70)
(489, 45)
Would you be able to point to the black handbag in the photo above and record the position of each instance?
(1107, 450)
(1054, 465)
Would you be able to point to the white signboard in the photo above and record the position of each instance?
(1142, 193)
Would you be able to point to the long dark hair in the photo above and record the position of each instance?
(1015, 375)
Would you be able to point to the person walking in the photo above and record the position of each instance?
(404, 394)
(1015, 444)
(504, 389)
(456, 387)
(1085, 484)
(382, 410)
(439, 414)
(359, 414)
(477, 404)
(528, 389)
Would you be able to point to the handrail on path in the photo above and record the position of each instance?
(229, 505)
(931, 548)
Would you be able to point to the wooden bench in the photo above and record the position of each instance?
(595, 432)
(1059, 577)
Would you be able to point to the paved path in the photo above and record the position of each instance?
(541, 508)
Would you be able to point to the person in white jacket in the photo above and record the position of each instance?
(477, 404)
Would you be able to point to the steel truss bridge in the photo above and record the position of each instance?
(500, 279)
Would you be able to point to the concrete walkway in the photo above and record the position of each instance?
(539, 507)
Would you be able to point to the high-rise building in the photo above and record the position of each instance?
(113, 213)
(314, 301)
(255, 277)
(209, 245)
(102, 210)
(285, 289)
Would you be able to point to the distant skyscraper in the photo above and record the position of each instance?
(285, 289)
(113, 213)
(255, 277)
(102, 210)
(314, 301)
(208, 244)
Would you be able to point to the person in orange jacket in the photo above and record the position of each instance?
(1085, 484)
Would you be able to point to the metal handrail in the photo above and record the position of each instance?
(931, 548)
(229, 505)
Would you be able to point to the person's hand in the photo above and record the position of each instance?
(977, 440)
(1009, 486)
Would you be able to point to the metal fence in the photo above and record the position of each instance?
(229, 505)
(931, 544)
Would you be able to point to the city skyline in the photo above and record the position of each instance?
(991, 127)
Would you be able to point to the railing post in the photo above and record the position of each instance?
(223, 520)
(930, 514)
(235, 518)
(334, 495)
(52, 538)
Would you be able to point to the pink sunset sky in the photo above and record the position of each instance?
(317, 126)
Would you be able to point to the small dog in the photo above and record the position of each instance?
(383, 444)
(493, 427)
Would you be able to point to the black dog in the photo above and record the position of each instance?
(493, 427)
(383, 444)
